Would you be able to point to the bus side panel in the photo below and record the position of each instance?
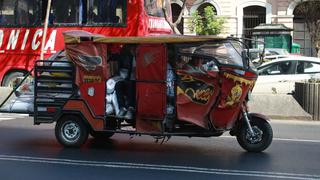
(20, 44)
(151, 86)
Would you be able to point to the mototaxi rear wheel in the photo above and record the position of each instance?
(71, 131)
(260, 139)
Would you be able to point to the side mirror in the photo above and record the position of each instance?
(245, 59)
(210, 66)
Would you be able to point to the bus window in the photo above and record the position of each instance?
(19, 12)
(107, 11)
(62, 12)
(154, 7)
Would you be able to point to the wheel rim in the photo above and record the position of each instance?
(12, 82)
(256, 137)
(70, 131)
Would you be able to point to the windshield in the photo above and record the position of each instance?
(224, 52)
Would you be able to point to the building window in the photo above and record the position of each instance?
(19, 12)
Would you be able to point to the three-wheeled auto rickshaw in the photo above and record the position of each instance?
(194, 86)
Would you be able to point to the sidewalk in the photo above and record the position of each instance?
(4, 92)
(278, 106)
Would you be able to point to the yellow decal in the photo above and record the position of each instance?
(238, 79)
(179, 90)
(92, 79)
(200, 94)
(196, 90)
(186, 78)
(235, 95)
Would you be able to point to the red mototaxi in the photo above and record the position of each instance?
(212, 82)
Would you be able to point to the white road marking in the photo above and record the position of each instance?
(297, 140)
(190, 169)
(283, 139)
(4, 119)
(295, 122)
(8, 116)
(13, 115)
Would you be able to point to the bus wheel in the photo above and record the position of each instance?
(71, 131)
(10, 79)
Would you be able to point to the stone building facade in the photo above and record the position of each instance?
(242, 15)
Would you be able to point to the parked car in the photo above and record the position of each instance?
(255, 53)
(279, 76)
(269, 54)
(258, 62)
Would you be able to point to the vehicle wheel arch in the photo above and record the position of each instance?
(240, 122)
(259, 116)
(74, 113)
(12, 71)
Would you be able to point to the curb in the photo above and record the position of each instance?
(278, 106)
(4, 92)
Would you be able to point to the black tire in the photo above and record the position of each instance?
(9, 79)
(71, 131)
(260, 144)
(101, 135)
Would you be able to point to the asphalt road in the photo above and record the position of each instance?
(31, 152)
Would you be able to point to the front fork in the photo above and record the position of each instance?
(246, 118)
(254, 134)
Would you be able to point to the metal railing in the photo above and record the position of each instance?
(53, 86)
(308, 96)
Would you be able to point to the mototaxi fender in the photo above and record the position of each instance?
(258, 115)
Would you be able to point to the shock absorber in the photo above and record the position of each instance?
(247, 120)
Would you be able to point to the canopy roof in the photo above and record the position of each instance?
(271, 27)
(78, 36)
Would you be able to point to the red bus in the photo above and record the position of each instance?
(22, 21)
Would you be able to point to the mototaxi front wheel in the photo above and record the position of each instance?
(71, 131)
(261, 137)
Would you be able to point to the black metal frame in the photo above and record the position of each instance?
(48, 89)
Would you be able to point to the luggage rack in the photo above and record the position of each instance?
(53, 85)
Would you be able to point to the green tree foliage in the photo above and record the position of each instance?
(208, 24)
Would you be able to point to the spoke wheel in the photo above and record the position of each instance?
(261, 137)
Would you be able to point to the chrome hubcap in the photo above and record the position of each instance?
(71, 131)
(256, 137)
